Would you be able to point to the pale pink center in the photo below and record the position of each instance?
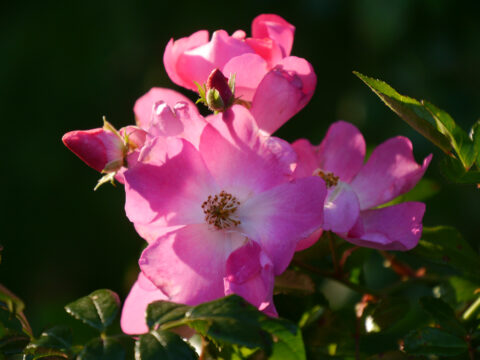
(219, 210)
(329, 177)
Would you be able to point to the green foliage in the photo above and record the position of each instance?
(433, 341)
(98, 309)
(436, 125)
(158, 344)
(445, 246)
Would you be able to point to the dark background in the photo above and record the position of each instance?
(63, 65)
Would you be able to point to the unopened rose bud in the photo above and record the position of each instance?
(101, 149)
(219, 95)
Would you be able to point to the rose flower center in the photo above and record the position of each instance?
(329, 178)
(219, 210)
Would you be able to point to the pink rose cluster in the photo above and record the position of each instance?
(223, 204)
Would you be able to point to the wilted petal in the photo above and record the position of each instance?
(188, 265)
(390, 171)
(342, 151)
(96, 147)
(134, 309)
(249, 273)
(280, 217)
(175, 49)
(276, 28)
(145, 105)
(396, 227)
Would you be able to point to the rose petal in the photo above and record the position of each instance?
(342, 151)
(144, 105)
(341, 209)
(175, 49)
(249, 70)
(243, 163)
(250, 275)
(188, 265)
(396, 227)
(168, 184)
(276, 28)
(280, 217)
(196, 64)
(134, 309)
(390, 171)
(282, 93)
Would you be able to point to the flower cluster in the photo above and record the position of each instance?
(223, 204)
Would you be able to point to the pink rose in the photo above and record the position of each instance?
(355, 189)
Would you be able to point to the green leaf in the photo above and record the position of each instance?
(453, 170)
(55, 342)
(98, 309)
(443, 315)
(432, 341)
(463, 289)
(163, 345)
(102, 349)
(475, 136)
(161, 312)
(459, 139)
(444, 245)
(231, 320)
(287, 340)
(410, 110)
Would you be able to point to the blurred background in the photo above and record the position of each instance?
(64, 65)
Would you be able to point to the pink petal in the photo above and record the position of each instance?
(134, 309)
(309, 241)
(250, 275)
(276, 28)
(390, 171)
(144, 105)
(188, 265)
(242, 162)
(136, 136)
(307, 161)
(304, 70)
(341, 209)
(175, 49)
(282, 93)
(244, 263)
(280, 217)
(96, 147)
(268, 49)
(196, 64)
(397, 227)
(168, 184)
(342, 151)
(249, 70)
